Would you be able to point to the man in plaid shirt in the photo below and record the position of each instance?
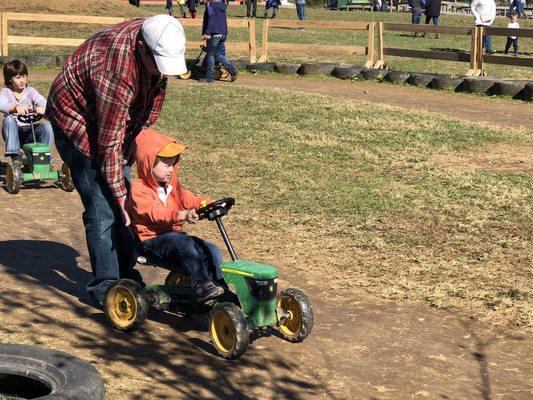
(109, 89)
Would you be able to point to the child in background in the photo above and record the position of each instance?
(191, 4)
(159, 209)
(19, 98)
(183, 13)
(512, 39)
(274, 4)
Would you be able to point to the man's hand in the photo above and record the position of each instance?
(121, 201)
(189, 216)
(206, 37)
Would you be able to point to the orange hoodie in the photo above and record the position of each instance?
(149, 215)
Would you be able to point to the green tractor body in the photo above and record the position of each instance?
(38, 167)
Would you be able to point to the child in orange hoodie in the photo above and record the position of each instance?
(160, 207)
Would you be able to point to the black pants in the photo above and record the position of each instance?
(251, 8)
(514, 42)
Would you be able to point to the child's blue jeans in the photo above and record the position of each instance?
(15, 135)
(193, 254)
(216, 50)
(300, 10)
(415, 17)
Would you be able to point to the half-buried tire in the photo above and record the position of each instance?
(261, 67)
(446, 82)
(422, 80)
(477, 85)
(30, 372)
(528, 92)
(317, 68)
(287, 68)
(346, 72)
(374, 74)
(508, 88)
(397, 76)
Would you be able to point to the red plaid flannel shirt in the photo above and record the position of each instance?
(102, 98)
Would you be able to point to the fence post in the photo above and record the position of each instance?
(380, 63)
(480, 67)
(370, 57)
(473, 71)
(264, 46)
(3, 35)
(251, 30)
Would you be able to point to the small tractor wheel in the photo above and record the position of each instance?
(185, 76)
(220, 73)
(66, 179)
(14, 177)
(177, 278)
(228, 330)
(126, 305)
(299, 322)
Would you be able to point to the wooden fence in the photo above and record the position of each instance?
(475, 57)
(6, 39)
(313, 48)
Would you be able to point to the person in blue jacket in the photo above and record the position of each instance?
(215, 31)
(274, 4)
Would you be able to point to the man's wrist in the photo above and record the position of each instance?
(121, 200)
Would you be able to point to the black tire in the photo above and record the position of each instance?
(346, 72)
(239, 64)
(477, 85)
(446, 83)
(126, 305)
(397, 76)
(421, 80)
(287, 68)
(528, 92)
(14, 177)
(228, 330)
(28, 372)
(299, 325)
(66, 179)
(374, 74)
(317, 68)
(508, 88)
(261, 67)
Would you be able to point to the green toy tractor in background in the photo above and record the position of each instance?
(35, 166)
(250, 302)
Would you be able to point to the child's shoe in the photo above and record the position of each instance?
(208, 291)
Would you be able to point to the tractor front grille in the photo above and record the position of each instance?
(263, 290)
(41, 158)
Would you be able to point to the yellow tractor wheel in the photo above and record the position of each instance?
(186, 75)
(298, 318)
(66, 178)
(126, 305)
(228, 330)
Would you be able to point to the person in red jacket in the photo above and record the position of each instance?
(159, 209)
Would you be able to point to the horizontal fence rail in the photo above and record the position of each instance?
(315, 48)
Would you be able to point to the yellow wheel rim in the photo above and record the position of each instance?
(186, 75)
(122, 306)
(225, 73)
(222, 331)
(293, 324)
(178, 279)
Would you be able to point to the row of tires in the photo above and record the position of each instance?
(516, 89)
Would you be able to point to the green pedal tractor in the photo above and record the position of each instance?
(250, 302)
(35, 166)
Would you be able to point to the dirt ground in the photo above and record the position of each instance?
(361, 347)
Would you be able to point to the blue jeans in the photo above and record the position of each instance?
(110, 243)
(193, 254)
(170, 7)
(435, 19)
(517, 6)
(300, 10)
(15, 135)
(216, 50)
(274, 11)
(487, 43)
(415, 18)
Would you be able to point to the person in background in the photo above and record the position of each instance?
(274, 4)
(183, 13)
(300, 9)
(191, 4)
(513, 24)
(484, 12)
(251, 8)
(518, 6)
(170, 8)
(433, 12)
(416, 12)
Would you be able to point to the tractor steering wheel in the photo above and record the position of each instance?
(216, 209)
(29, 118)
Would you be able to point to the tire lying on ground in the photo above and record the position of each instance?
(446, 82)
(317, 68)
(397, 76)
(262, 67)
(477, 85)
(287, 68)
(528, 92)
(420, 79)
(508, 88)
(29, 372)
(239, 64)
(374, 74)
(346, 72)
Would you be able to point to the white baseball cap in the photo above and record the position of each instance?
(165, 36)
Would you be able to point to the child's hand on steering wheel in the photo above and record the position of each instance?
(39, 110)
(189, 216)
(21, 109)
